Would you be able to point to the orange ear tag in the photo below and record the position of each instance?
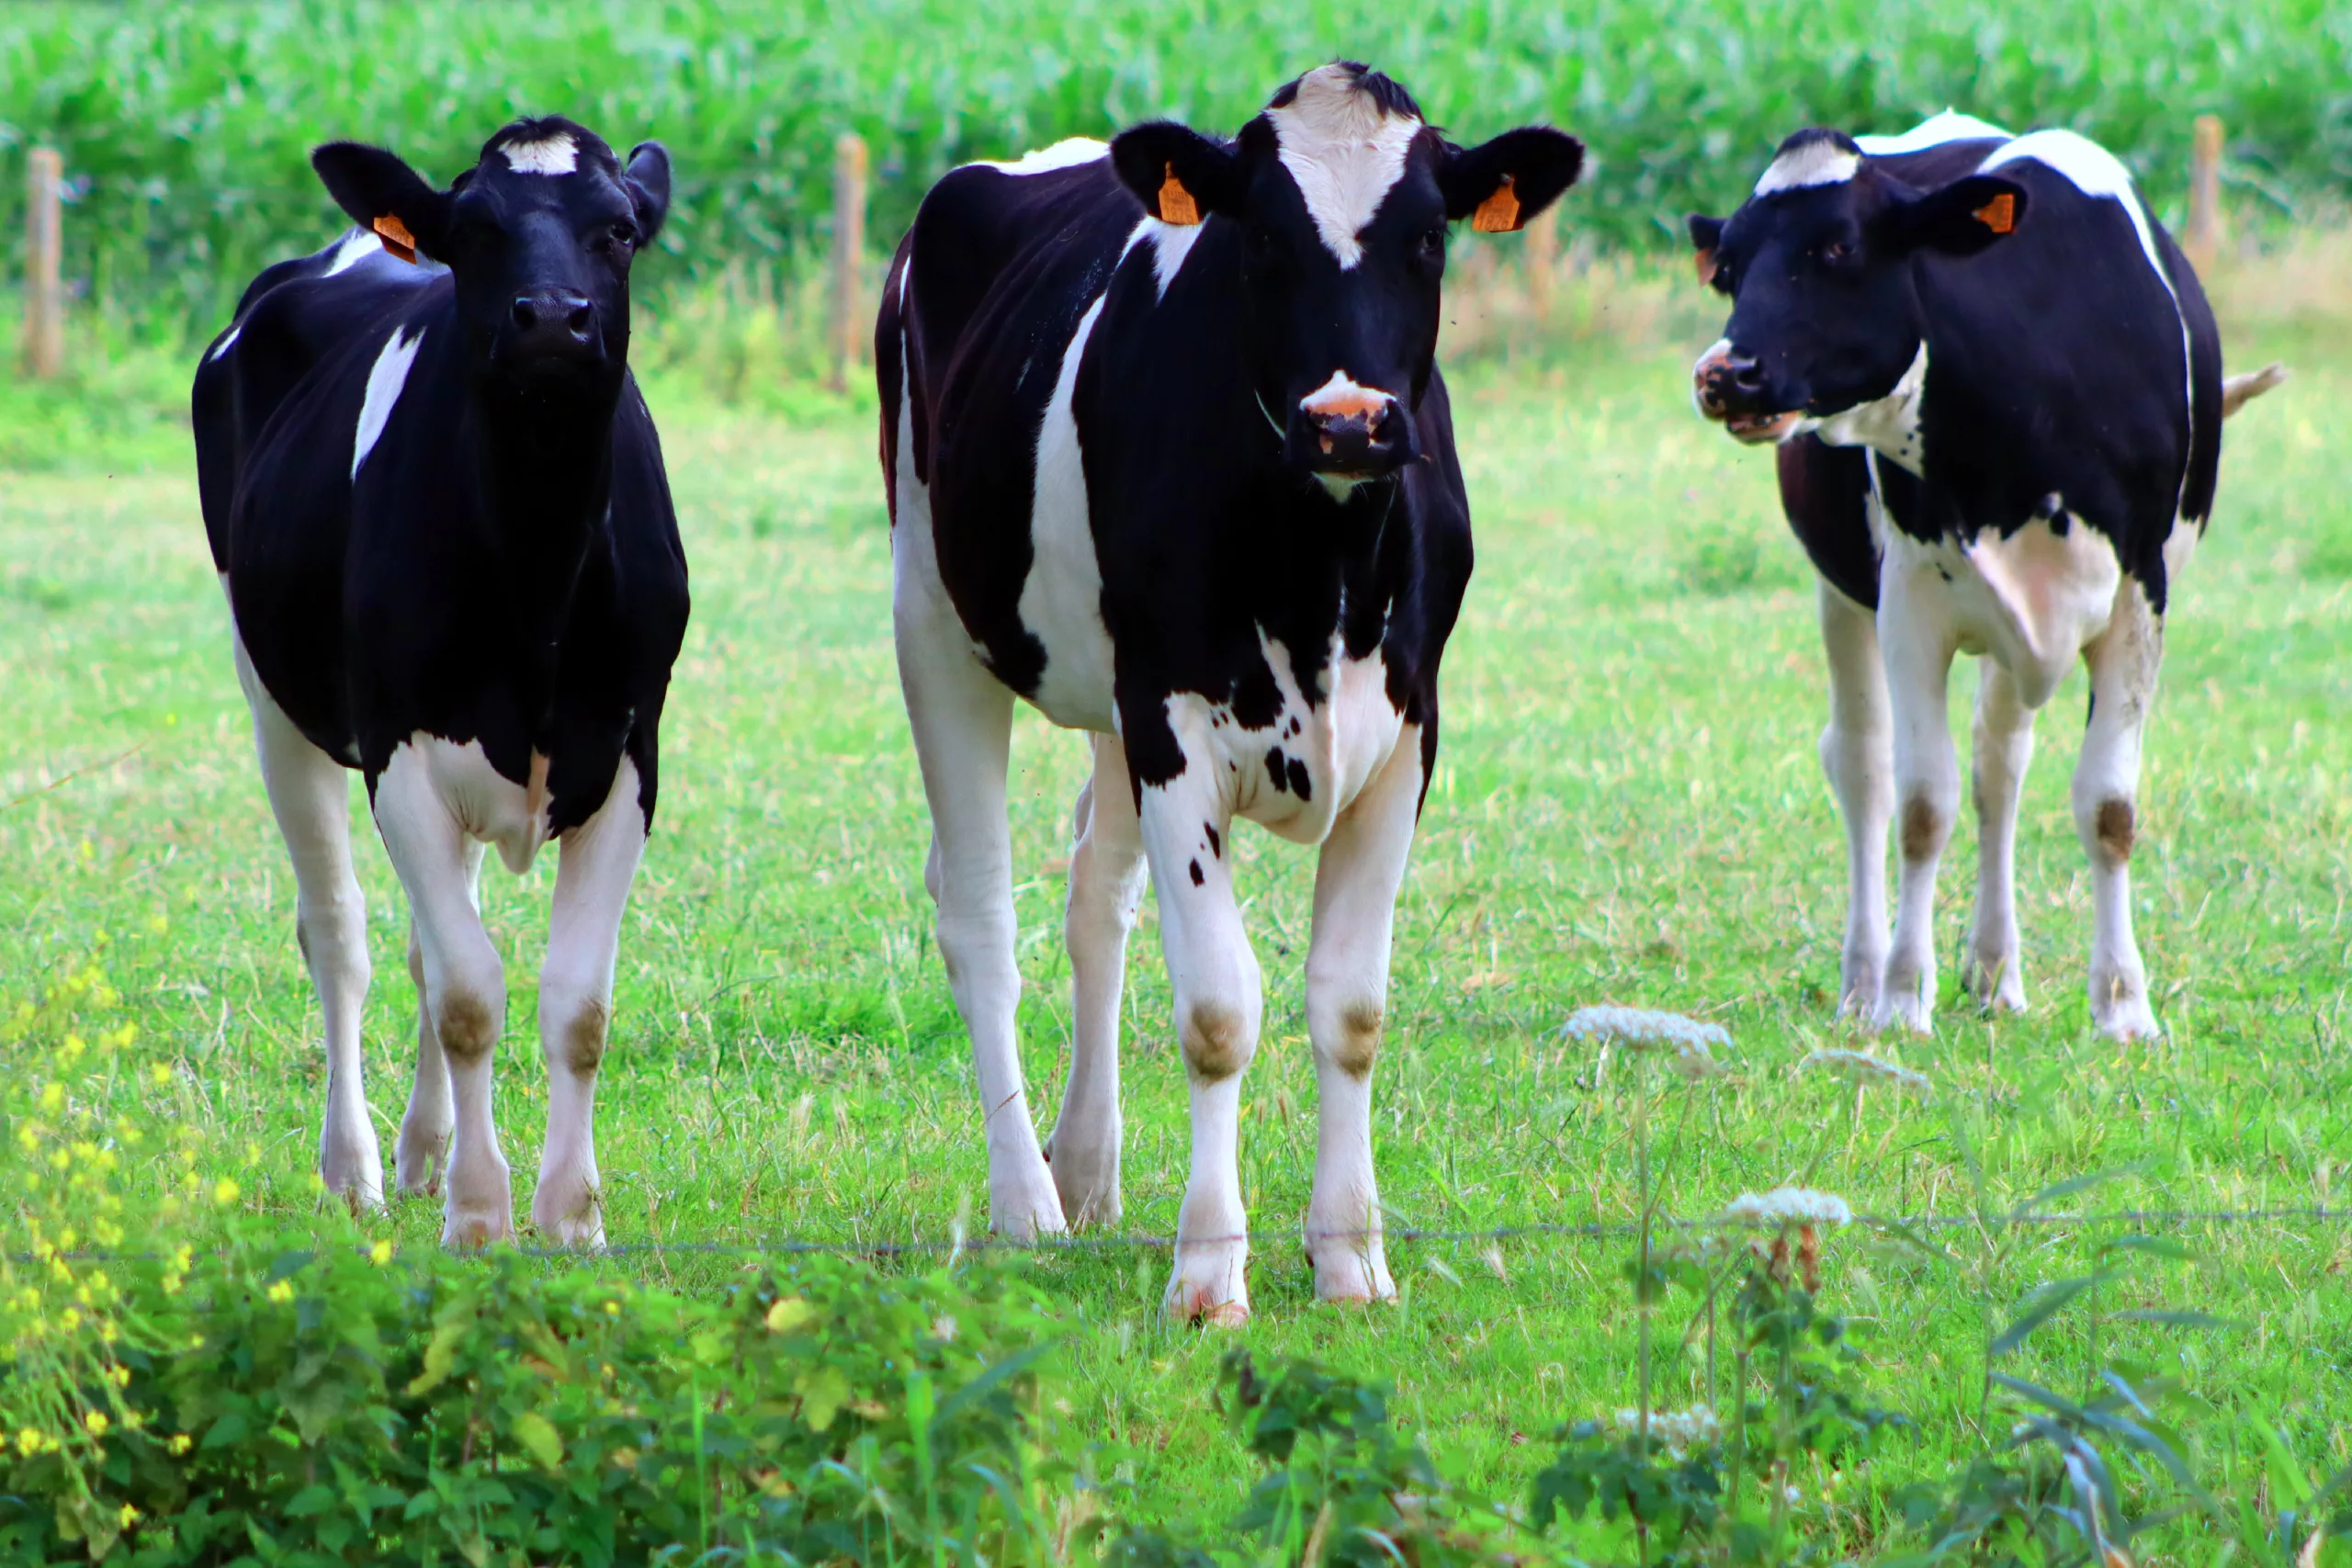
(396, 237)
(1707, 264)
(1498, 214)
(1176, 203)
(2000, 214)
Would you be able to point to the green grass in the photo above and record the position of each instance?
(1628, 808)
(187, 124)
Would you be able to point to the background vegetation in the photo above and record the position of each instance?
(186, 126)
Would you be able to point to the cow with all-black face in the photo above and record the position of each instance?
(1997, 391)
(1169, 456)
(437, 506)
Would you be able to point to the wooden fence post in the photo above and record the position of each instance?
(2202, 242)
(846, 328)
(44, 345)
(1541, 257)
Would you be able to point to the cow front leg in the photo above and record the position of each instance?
(420, 1157)
(1356, 879)
(592, 882)
(962, 719)
(1214, 974)
(2001, 749)
(1106, 881)
(2123, 661)
(310, 794)
(1857, 753)
(1917, 645)
(464, 989)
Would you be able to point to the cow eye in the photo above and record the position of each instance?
(1433, 242)
(624, 234)
(1838, 251)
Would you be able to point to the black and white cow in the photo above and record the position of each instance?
(1169, 456)
(438, 508)
(1997, 391)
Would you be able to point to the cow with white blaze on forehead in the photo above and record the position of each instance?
(1169, 456)
(437, 506)
(1998, 392)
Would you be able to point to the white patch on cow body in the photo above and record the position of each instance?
(1068, 153)
(1170, 243)
(228, 340)
(1814, 164)
(353, 248)
(1061, 599)
(485, 804)
(1345, 150)
(1889, 426)
(1933, 131)
(556, 155)
(385, 379)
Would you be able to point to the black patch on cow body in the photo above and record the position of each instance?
(1217, 845)
(1197, 877)
(1302, 783)
(511, 576)
(1275, 771)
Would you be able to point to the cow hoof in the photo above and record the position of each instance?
(1858, 986)
(2126, 1017)
(1202, 1306)
(418, 1161)
(1208, 1285)
(1345, 1274)
(576, 1225)
(1087, 1183)
(1996, 981)
(1903, 1008)
(473, 1230)
(1023, 1207)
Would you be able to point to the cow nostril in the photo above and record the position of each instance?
(580, 317)
(527, 314)
(1747, 376)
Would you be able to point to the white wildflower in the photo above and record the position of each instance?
(1679, 1430)
(1638, 1028)
(1785, 1206)
(1863, 1068)
(1694, 1062)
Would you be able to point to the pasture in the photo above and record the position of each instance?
(1627, 808)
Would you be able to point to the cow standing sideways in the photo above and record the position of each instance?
(1169, 456)
(437, 506)
(1998, 394)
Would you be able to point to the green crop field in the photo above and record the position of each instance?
(185, 127)
(1628, 809)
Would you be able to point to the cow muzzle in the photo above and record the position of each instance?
(1347, 431)
(1727, 388)
(549, 326)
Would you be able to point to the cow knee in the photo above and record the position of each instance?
(1216, 1038)
(1926, 825)
(2108, 827)
(1349, 1038)
(577, 1029)
(465, 1020)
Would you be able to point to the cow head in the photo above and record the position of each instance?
(538, 233)
(1337, 198)
(1817, 264)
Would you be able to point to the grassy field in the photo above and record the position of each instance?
(1628, 809)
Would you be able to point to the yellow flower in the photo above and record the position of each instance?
(120, 1375)
(107, 1332)
(70, 1319)
(282, 1292)
(97, 1423)
(612, 1309)
(29, 1442)
(181, 1442)
(126, 1515)
(160, 1075)
(225, 1191)
(380, 1254)
(52, 1095)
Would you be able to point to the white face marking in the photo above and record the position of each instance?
(1345, 151)
(1061, 600)
(1065, 154)
(1934, 131)
(1815, 163)
(556, 155)
(1889, 426)
(1341, 394)
(385, 379)
(354, 248)
(227, 343)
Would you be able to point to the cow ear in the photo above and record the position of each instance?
(1707, 238)
(385, 194)
(1500, 185)
(1180, 175)
(648, 184)
(1962, 218)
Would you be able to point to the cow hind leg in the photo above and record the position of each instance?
(310, 794)
(962, 719)
(1856, 755)
(421, 1158)
(1917, 645)
(464, 990)
(599, 862)
(2001, 749)
(1106, 882)
(1356, 881)
(2123, 660)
